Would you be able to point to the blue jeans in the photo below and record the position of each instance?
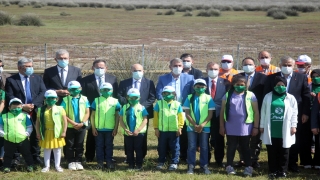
(203, 138)
(133, 144)
(171, 139)
(104, 146)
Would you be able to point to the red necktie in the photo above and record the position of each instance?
(213, 89)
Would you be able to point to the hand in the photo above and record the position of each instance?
(77, 126)
(179, 132)
(38, 136)
(254, 131)
(261, 130)
(62, 92)
(114, 132)
(199, 128)
(28, 107)
(222, 131)
(315, 131)
(293, 130)
(128, 132)
(313, 94)
(136, 133)
(94, 132)
(304, 118)
(63, 134)
(157, 133)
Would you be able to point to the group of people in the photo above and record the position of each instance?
(276, 106)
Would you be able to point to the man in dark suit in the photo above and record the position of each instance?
(187, 60)
(147, 93)
(217, 88)
(30, 89)
(90, 88)
(58, 77)
(298, 87)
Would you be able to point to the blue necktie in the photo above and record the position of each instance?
(27, 89)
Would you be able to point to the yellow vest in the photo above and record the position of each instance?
(69, 108)
(139, 117)
(14, 127)
(168, 117)
(57, 119)
(105, 112)
(204, 100)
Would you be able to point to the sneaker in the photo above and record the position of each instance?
(45, 169)
(30, 168)
(138, 167)
(78, 166)
(59, 169)
(205, 169)
(72, 166)
(110, 165)
(317, 167)
(307, 166)
(230, 170)
(6, 170)
(160, 166)
(173, 167)
(190, 169)
(248, 171)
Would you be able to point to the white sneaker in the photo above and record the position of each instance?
(79, 166)
(248, 171)
(72, 166)
(317, 167)
(230, 170)
(307, 166)
(59, 169)
(45, 169)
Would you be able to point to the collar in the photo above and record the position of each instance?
(66, 68)
(174, 77)
(134, 80)
(290, 75)
(215, 79)
(251, 75)
(22, 76)
(98, 77)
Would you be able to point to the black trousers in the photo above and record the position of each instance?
(183, 143)
(134, 145)
(74, 144)
(90, 146)
(255, 148)
(278, 157)
(10, 148)
(243, 142)
(216, 140)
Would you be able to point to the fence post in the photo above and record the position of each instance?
(238, 48)
(45, 55)
(142, 56)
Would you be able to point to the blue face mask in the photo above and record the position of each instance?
(63, 63)
(29, 71)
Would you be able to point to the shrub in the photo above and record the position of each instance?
(37, 5)
(184, 8)
(198, 7)
(222, 8)
(33, 2)
(129, 7)
(253, 8)
(279, 15)
(272, 10)
(108, 5)
(71, 4)
(159, 13)
(238, 8)
(308, 8)
(168, 7)
(288, 12)
(188, 13)
(209, 13)
(23, 3)
(30, 19)
(83, 4)
(5, 18)
(116, 6)
(5, 3)
(156, 6)
(14, 2)
(170, 12)
(96, 5)
(141, 6)
(64, 14)
(203, 13)
(291, 12)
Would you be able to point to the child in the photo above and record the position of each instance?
(77, 112)
(105, 122)
(168, 122)
(199, 108)
(279, 113)
(239, 111)
(51, 127)
(133, 120)
(16, 127)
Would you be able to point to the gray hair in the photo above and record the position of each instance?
(175, 60)
(286, 58)
(61, 51)
(24, 60)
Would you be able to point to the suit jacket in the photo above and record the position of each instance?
(147, 93)
(4, 77)
(195, 72)
(186, 85)
(298, 87)
(222, 87)
(14, 89)
(257, 86)
(91, 89)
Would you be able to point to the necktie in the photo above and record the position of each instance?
(100, 81)
(213, 89)
(62, 76)
(27, 90)
(136, 84)
(248, 82)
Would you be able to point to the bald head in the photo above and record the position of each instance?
(136, 67)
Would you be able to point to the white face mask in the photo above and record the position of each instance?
(99, 72)
(1, 70)
(286, 70)
(213, 73)
(265, 61)
(187, 65)
(137, 75)
(226, 66)
(302, 70)
(248, 68)
(177, 70)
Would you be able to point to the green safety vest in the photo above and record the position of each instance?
(105, 112)
(168, 117)
(57, 119)
(249, 109)
(139, 117)
(69, 109)
(204, 100)
(14, 127)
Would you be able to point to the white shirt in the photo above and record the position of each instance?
(23, 80)
(288, 81)
(138, 83)
(98, 80)
(65, 73)
(176, 84)
(210, 83)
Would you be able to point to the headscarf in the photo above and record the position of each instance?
(276, 80)
(315, 88)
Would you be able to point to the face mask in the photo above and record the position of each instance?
(286, 70)
(265, 61)
(63, 63)
(239, 89)
(106, 94)
(74, 92)
(1, 70)
(137, 75)
(99, 72)
(187, 65)
(134, 102)
(226, 66)
(51, 102)
(301, 70)
(29, 71)
(316, 80)
(280, 89)
(177, 70)
(200, 90)
(213, 73)
(168, 97)
(16, 111)
(248, 69)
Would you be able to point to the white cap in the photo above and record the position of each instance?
(199, 81)
(133, 92)
(302, 59)
(73, 84)
(168, 89)
(227, 58)
(106, 85)
(50, 93)
(15, 100)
